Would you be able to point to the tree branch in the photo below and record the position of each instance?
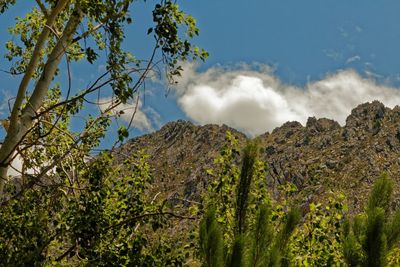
(22, 121)
(46, 169)
(43, 8)
(86, 34)
(66, 253)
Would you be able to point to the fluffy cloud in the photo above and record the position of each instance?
(256, 101)
(136, 111)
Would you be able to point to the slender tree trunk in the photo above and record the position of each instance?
(23, 120)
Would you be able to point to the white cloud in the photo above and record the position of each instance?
(135, 110)
(353, 58)
(255, 100)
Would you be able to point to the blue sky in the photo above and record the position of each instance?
(303, 39)
(270, 61)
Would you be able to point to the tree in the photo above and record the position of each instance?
(80, 30)
(67, 207)
(108, 220)
(371, 236)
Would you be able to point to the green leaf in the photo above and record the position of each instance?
(122, 133)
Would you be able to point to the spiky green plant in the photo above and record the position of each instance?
(246, 175)
(370, 237)
(211, 242)
(261, 238)
(257, 239)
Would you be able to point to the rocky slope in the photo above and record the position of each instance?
(323, 155)
(317, 157)
(180, 153)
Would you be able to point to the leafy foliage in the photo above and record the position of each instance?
(261, 237)
(97, 211)
(83, 212)
(68, 207)
(317, 242)
(102, 223)
(223, 183)
(4, 4)
(83, 30)
(243, 189)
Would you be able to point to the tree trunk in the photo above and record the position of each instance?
(21, 124)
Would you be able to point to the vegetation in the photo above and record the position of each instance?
(68, 208)
(111, 220)
(318, 241)
(105, 222)
(247, 219)
(70, 31)
(268, 233)
(371, 236)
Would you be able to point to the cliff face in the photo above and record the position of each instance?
(317, 157)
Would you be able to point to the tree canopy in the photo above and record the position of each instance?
(65, 206)
(54, 31)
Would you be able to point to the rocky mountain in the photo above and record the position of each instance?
(323, 155)
(317, 157)
(180, 153)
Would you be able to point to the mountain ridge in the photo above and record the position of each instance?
(317, 157)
